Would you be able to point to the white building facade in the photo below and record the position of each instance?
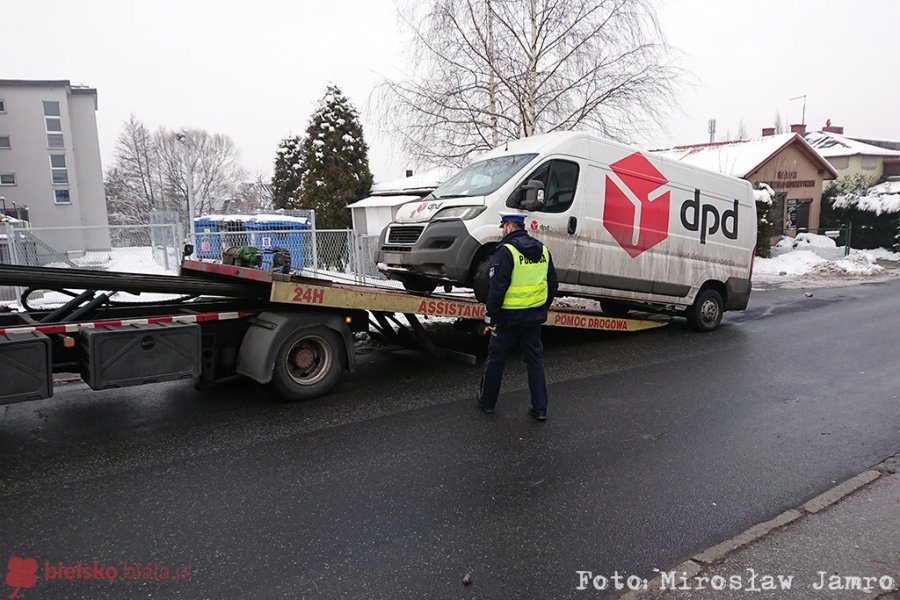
(50, 160)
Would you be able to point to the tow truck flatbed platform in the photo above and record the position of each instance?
(319, 292)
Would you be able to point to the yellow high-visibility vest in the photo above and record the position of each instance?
(528, 284)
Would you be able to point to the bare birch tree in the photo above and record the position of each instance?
(148, 173)
(493, 70)
(216, 172)
(133, 187)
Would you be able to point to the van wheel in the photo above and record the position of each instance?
(614, 308)
(481, 279)
(423, 286)
(309, 363)
(705, 313)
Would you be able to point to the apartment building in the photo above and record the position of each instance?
(50, 160)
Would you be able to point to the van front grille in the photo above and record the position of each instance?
(404, 234)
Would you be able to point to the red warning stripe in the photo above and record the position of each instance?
(76, 327)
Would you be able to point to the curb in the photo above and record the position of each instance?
(716, 554)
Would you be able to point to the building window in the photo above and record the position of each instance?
(55, 140)
(61, 197)
(54, 124)
(4, 142)
(868, 162)
(7, 179)
(2, 106)
(58, 168)
(51, 108)
(840, 162)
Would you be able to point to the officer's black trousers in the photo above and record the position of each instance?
(503, 340)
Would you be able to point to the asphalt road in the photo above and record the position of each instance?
(659, 444)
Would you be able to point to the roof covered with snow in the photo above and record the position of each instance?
(740, 158)
(833, 144)
(382, 201)
(423, 182)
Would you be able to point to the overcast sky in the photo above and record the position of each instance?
(254, 70)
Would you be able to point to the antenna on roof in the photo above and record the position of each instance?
(711, 128)
(803, 118)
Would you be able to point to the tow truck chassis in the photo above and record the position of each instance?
(292, 332)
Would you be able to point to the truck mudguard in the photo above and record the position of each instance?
(268, 332)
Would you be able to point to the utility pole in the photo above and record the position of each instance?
(188, 181)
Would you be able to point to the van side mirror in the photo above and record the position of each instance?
(532, 195)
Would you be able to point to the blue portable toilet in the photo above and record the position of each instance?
(279, 231)
(208, 245)
(233, 231)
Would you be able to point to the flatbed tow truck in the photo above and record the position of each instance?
(292, 332)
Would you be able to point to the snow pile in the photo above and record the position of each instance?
(803, 240)
(821, 245)
(799, 262)
(807, 264)
(881, 254)
(856, 265)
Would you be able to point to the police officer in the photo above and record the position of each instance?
(523, 283)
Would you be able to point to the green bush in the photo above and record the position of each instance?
(867, 229)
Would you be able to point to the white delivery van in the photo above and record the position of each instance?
(628, 227)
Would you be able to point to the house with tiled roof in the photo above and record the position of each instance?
(875, 159)
(786, 162)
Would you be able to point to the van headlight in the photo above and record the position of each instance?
(459, 212)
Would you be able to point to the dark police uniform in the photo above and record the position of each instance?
(523, 283)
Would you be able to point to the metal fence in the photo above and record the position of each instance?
(341, 254)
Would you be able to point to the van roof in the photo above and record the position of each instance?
(542, 143)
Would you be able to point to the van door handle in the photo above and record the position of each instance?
(573, 225)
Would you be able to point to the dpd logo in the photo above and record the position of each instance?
(636, 211)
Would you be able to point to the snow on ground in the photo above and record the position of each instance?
(805, 268)
(881, 254)
(139, 259)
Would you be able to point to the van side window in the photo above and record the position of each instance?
(560, 177)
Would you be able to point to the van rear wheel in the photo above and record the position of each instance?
(614, 308)
(705, 313)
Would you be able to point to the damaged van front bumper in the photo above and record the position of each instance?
(439, 251)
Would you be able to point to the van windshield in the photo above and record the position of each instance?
(483, 177)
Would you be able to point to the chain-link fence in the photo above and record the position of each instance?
(156, 248)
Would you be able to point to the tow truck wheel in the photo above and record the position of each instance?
(309, 363)
(705, 313)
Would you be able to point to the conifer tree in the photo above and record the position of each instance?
(286, 176)
(335, 164)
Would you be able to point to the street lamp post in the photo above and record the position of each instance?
(188, 181)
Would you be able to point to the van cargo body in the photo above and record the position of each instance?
(626, 226)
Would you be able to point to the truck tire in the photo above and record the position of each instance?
(309, 363)
(705, 313)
